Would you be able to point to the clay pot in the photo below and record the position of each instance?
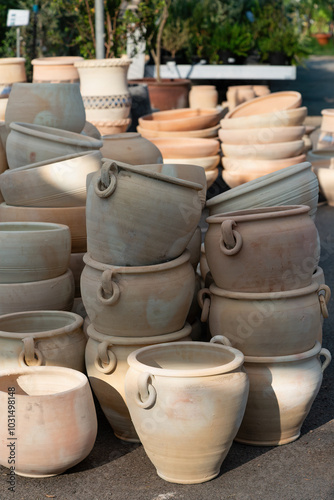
(180, 119)
(206, 162)
(76, 264)
(108, 127)
(269, 249)
(194, 247)
(54, 294)
(169, 93)
(282, 390)
(327, 121)
(55, 69)
(238, 94)
(35, 338)
(117, 232)
(261, 135)
(278, 151)
(131, 148)
(166, 385)
(203, 96)
(186, 147)
(261, 90)
(73, 217)
(267, 166)
(28, 143)
(12, 69)
(49, 104)
(3, 106)
(294, 185)
(60, 182)
(280, 118)
(211, 177)
(202, 133)
(138, 300)
(275, 101)
(54, 409)
(33, 251)
(90, 130)
(266, 324)
(326, 183)
(106, 364)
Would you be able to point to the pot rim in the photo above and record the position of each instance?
(285, 359)
(256, 214)
(164, 266)
(39, 210)
(103, 63)
(288, 294)
(124, 135)
(302, 110)
(54, 61)
(11, 60)
(236, 363)
(30, 225)
(133, 341)
(77, 323)
(288, 93)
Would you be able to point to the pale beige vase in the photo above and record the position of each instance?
(55, 69)
(203, 96)
(12, 69)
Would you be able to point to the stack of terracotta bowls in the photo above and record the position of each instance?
(256, 141)
(268, 299)
(138, 283)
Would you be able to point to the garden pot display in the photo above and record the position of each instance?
(266, 324)
(281, 392)
(77, 265)
(276, 151)
(118, 234)
(269, 249)
(35, 338)
(180, 120)
(55, 69)
(53, 293)
(49, 104)
(73, 217)
(29, 143)
(275, 101)
(203, 96)
(294, 185)
(106, 364)
(202, 132)
(12, 69)
(54, 410)
(169, 93)
(186, 147)
(131, 148)
(264, 135)
(33, 251)
(138, 301)
(280, 118)
(166, 386)
(60, 182)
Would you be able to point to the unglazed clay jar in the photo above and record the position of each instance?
(57, 105)
(203, 96)
(138, 301)
(106, 364)
(281, 392)
(266, 324)
(261, 135)
(281, 118)
(60, 182)
(33, 251)
(12, 69)
(54, 410)
(55, 69)
(186, 401)
(263, 249)
(35, 338)
(180, 119)
(276, 101)
(117, 232)
(29, 143)
(131, 148)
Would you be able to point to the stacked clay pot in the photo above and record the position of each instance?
(266, 300)
(55, 69)
(12, 69)
(137, 285)
(256, 142)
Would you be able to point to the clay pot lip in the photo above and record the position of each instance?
(54, 61)
(55, 134)
(204, 87)
(123, 136)
(206, 162)
(242, 132)
(295, 148)
(11, 60)
(54, 86)
(192, 133)
(133, 341)
(31, 228)
(76, 324)
(233, 164)
(296, 100)
(154, 268)
(328, 112)
(256, 214)
(178, 114)
(287, 358)
(38, 371)
(259, 183)
(239, 122)
(288, 294)
(14, 208)
(103, 63)
(183, 145)
(219, 369)
(168, 82)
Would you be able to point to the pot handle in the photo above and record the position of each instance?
(107, 179)
(105, 361)
(204, 303)
(220, 339)
(325, 352)
(231, 240)
(147, 394)
(30, 356)
(324, 299)
(108, 287)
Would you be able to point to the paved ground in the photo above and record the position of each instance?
(302, 470)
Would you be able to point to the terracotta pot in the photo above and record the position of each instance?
(60, 182)
(54, 409)
(327, 121)
(280, 118)
(76, 264)
(131, 148)
(322, 38)
(117, 198)
(266, 324)
(90, 130)
(12, 70)
(243, 165)
(269, 249)
(203, 96)
(49, 104)
(33, 251)
(55, 69)
(206, 162)
(276, 101)
(169, 93)
(106, 364)
(180, 119)
(108, 127)
(282, 390)
(326, 183)
(202, 133)
(35, 338)
(186, 147)
(294, 185)
(261, 90)
(166, 385)
(264, 135)
(3, 106)
(277, 151)
(211, 176)
(73, 217)
(239, 94)
(138, 300)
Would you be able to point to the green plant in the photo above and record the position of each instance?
(234, 38)
(175, 36)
